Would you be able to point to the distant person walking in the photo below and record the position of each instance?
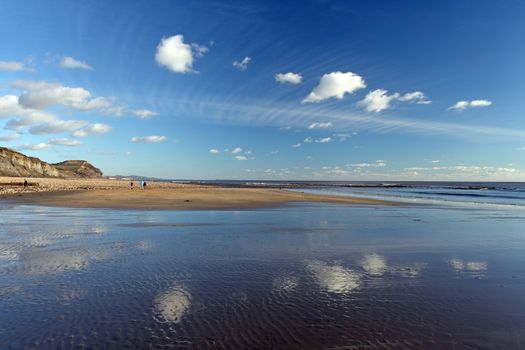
(26, 183)
(131, 185)
(141, 184)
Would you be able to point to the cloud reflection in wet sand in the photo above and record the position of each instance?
(460, 265)
(334, 278)
(172, 304)
(374, 264)
(285, 284)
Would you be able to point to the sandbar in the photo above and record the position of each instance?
(104, 193)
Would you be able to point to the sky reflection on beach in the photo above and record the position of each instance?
(303, 276)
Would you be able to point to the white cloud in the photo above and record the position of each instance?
(65, 142)
(153, 138)
(40, 94)
(10, 107)
(335, 85)
(71, 63)
(297, 145)
(377, 100)
(33, 147)
(462, 105)
(56, 127)
(416, 96)
(13, 66)
(144, 113)
(176, 55)
(117, 111)
(242, 65)
(11, 137)
(96, 103)
(96, 128)
(377, 164)
(237, 150)
(435, 161)
(318, 125)
(290, 78)
(320, 140)
(241, 157)
(214, 151)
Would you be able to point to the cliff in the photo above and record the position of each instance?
(14, 163)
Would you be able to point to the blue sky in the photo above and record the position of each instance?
(333, 90)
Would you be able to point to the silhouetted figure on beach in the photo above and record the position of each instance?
(144, 184)
(25, 183)
(131, 185)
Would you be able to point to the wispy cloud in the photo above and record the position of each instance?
(69, 62)
(214, 151)
(241, 158)
(14, 66)
(144, 113)
(33, 147)
(379, 100)
(151, 139)
(318, 125)
(242, 65)
(237, 150)
(65, 142)
(293, 116)
(320, 140)
(462, 105)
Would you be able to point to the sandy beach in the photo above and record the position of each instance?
(105, 193)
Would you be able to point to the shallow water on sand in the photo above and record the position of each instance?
(299, 277)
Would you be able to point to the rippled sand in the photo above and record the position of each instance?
(352, 279)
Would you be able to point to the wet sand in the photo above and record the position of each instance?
(104, 193)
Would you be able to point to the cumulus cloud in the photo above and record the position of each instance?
(71, 63)
(237, 150)
(214, 151)
(10, 137)
(40, 94)
(297, 145)
(243, 64)
(10, 107)
(144, 113)
(462, 105)
(241, 158)
(96, 128)
(56, 127)
(33, 147)
(335, 85)
(177, 56)
(152, 138)
(379, 99)
(318, 125)
(288, 78)
(65, 142)
(13, 66)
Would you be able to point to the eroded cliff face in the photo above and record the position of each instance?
(14, 163)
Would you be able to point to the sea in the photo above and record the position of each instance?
(445, 269)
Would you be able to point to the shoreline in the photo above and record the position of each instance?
(116, 194)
